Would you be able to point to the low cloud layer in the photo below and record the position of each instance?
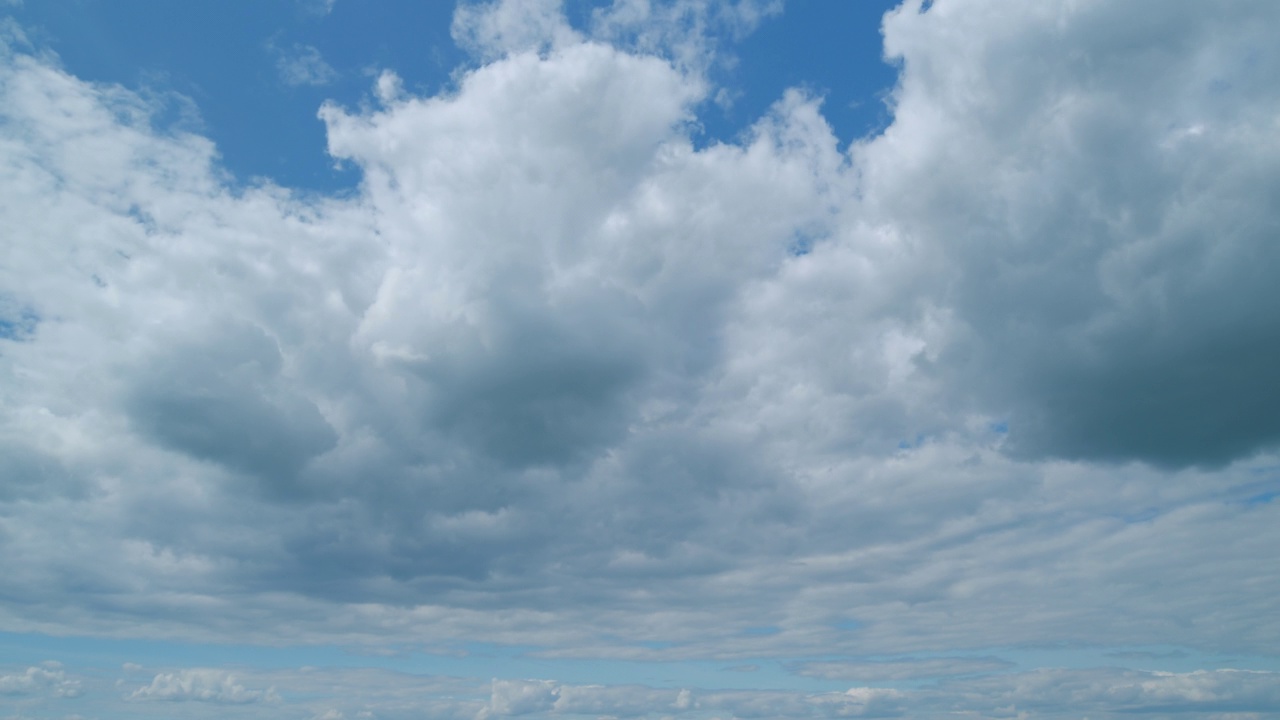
(563, 376)
(352, 694)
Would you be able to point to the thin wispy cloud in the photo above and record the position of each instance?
(302, 65)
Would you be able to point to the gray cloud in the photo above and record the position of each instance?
(219, 399)
(904, 669)
(1100, 214)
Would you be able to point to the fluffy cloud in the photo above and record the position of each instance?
(48, 679)
(544, 698)
(1099, 216)
(559, 377)
(201, 685)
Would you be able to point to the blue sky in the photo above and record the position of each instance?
(369, 359)
(226, 63)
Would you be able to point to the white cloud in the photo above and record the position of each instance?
(545, 698)
(1103, 279)
(689, 32)
(498, 28)
(522, 697)
(201, 685)
(48, 679)
(558, 378)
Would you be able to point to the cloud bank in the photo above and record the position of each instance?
(562, 376)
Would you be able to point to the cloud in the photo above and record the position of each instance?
(1098, 220)
(218, 401)
(201, 685)
(522, 697)
(1100, 692)
(302, 65)
(690, 32)
(559, 377)
(318, 8)
(905, 669)
(545, 698)
(1116, 692)
(494, 29)
(360, 693)
(47, 679)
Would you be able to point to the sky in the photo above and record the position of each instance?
(368, 359)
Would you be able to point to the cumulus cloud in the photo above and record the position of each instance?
(201, 685)
(522, 697)
(545, 698)
(559, 377)
(48, 679)
(1098, 218)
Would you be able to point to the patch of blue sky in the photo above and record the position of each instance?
(1259, 492)
(770, 673)
(803, 243)
(477, 660)
(1154, 658)
(17, 322)
(485, 660)
(831, 50)
(1262, 498)
(919, 440)
(224, 57)
(91, 652)
(99, 656)
(1150, 658)
(216, 68)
